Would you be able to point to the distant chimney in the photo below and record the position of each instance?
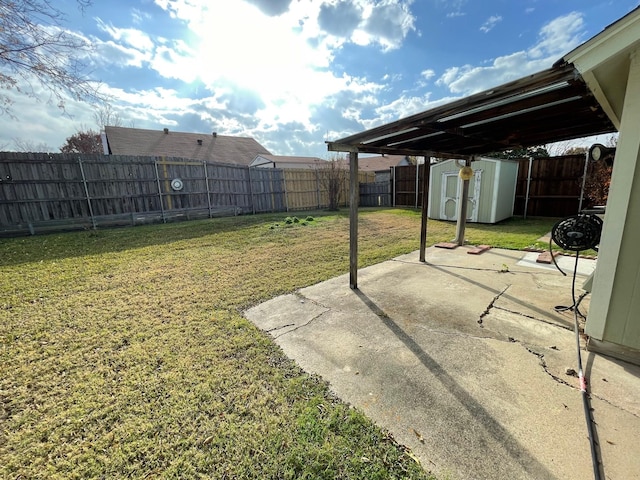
(215, 134)
(199, 141)
(166, 131)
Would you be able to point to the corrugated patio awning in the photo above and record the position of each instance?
(550, 106)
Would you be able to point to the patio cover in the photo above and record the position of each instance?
(549, 106)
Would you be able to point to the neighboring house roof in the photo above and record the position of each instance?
(197, 146)
(384, 162)
(282, 161)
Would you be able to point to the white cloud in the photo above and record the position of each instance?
(428, 74)
(559, 36)
(128, 36)
(454, 6)
(555, 39)
(389, 22)
(284, 58)
(490, 23)
(112, 53)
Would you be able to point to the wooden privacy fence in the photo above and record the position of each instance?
(406, 185)
(306, 188)
(550, 186)
(47, 192)
(377, 194)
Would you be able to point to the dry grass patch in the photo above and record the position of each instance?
(124, 353)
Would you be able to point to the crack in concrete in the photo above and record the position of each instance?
(491, 304)
(544, 366)
(532, 318)
(280, 327)
(311, 320)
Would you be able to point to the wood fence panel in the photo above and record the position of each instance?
(376, 194)
(555, 186)
(42, 192)
(303, 189)
(229, 187)
(405, 185)
(267, 187)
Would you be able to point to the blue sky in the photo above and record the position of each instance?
(295, 73)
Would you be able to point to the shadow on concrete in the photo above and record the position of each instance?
(512, 447)
(495, 291)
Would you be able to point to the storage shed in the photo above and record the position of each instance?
(492, 190)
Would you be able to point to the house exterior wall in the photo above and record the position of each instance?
(613, 316)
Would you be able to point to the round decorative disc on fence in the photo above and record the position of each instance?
(176, 184)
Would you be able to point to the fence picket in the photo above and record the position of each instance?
(41, 192)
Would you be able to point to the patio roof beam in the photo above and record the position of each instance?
(364, 148)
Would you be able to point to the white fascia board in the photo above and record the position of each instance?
(612, 41)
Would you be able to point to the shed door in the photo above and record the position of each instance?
(451, 192)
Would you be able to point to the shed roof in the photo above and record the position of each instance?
(549, 106)
(197, 146)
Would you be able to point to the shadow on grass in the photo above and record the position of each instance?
(58, 246)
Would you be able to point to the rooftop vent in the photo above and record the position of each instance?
(199, 141)
(166, 130)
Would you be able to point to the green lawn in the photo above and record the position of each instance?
(124, 353)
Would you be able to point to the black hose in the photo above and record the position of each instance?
(583, 381)
(554, 259)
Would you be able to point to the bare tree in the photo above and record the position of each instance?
(35, 48)
(22, 145)
(105, 115)
(332, 175)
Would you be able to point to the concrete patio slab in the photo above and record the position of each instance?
(463, 359)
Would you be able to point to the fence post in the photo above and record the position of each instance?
(164, 219)
(206, 180)
(86, 192)
(417, 182)
(286, 190)
(318, 187)
(253, 203)
(526, 197)
(393, 186)
(584, 180)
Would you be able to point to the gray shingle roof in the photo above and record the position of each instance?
(197, 146)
